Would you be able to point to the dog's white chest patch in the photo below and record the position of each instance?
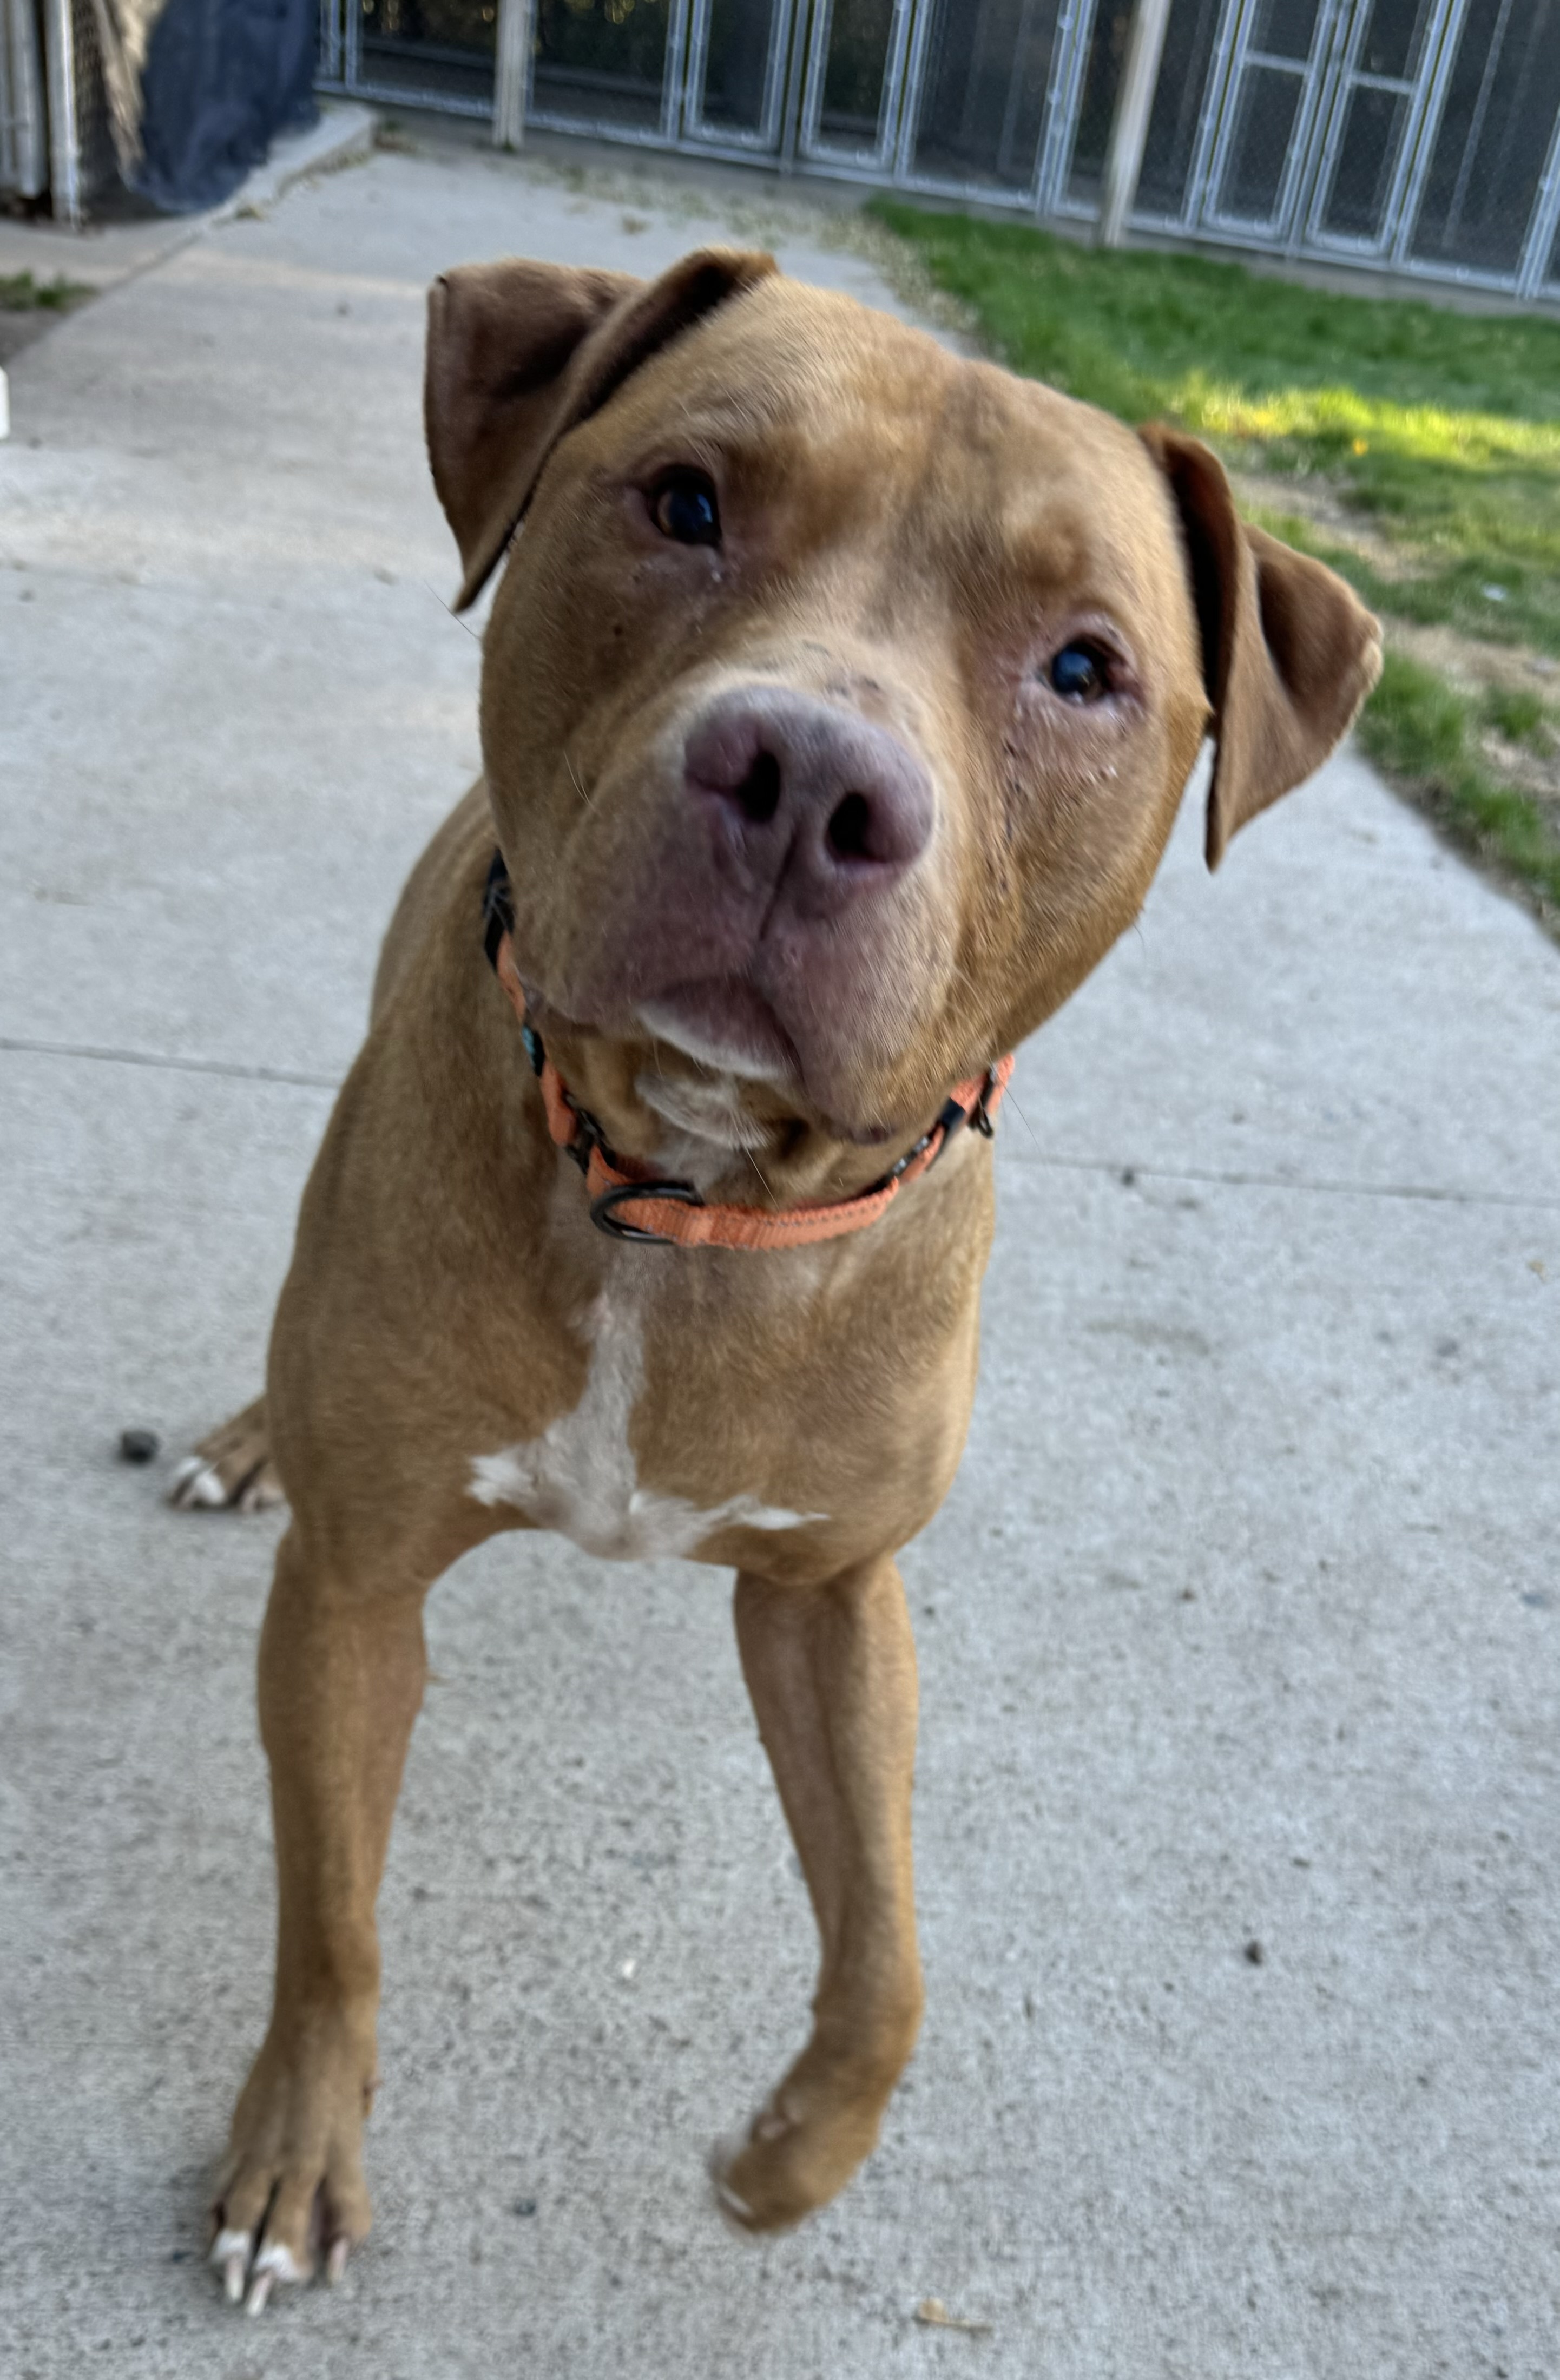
(580, 1478)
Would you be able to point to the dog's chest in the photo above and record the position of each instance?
(580, 1476)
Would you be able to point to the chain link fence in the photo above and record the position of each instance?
(1418, 136)
(1413, 136)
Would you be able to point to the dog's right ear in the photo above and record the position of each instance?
(1290, 652)
(518, 353)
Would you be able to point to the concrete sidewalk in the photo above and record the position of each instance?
(1240, 1627)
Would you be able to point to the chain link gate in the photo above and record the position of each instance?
(1416, 136)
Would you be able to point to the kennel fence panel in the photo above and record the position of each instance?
(1415, 135)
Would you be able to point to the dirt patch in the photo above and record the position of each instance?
(1308, 497)
(763, 213)
(1534, 772)
(1474, 668)
(1511, 692)
(1472, 665)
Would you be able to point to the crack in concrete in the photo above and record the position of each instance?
(1214, 1175)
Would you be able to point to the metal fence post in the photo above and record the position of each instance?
(795, 83)
(64, 146)
(1446, 43)
(512, 72)
(24, 149)
(1129, 133)
(1542, 224)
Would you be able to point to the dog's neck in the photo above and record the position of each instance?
(731, 1142)
(710, 1131)
(732, 1138)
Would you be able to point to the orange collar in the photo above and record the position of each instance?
(674, 1211)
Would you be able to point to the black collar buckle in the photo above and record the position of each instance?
(497, 911)
(588, 1138)
(980, 1114)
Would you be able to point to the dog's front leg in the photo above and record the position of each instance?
(340, 1678)
(831, 1671)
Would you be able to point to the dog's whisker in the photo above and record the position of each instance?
(1029, 1128)
(444, 605)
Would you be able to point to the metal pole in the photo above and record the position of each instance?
(1129, 133)
(65, 147)
(10, 110)
(1539, 244)
(512, 72)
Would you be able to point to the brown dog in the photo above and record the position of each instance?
(836, 704)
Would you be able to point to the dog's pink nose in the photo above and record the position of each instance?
(794, 785)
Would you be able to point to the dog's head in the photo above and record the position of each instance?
(839, 693)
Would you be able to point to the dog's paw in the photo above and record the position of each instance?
(231, 1470)
(249, 2273)
(201, 1486)
(799, 2152)
(293, 2196)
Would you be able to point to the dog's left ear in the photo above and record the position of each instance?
(519, 353)
(1290, 652)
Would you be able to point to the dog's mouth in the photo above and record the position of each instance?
(753, 950)
(751, 1081)
(726, 1025)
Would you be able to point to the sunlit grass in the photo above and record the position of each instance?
(1352, 424)
(1442, 431)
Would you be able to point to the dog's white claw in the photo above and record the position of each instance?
(230, 2253)
(261, 1494)
(272, 2265)
(732, 2206)
(197, 1482)
(335, 2262)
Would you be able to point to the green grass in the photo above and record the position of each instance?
(1439, 432)
(20, 294)
(1520, 716)
(1422, 730)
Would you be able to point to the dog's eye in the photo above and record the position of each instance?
(1080, 671)
(684, 506)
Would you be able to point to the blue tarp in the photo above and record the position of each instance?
(202, 89)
